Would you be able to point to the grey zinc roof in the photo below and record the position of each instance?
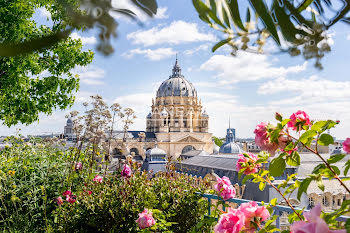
(132, 134)
(225, 162)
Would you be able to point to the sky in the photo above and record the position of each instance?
(247, 89)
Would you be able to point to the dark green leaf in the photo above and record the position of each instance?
(303, 187)
(304, 5)
(277, 166)
(221, 43)
(336, 170)
(293, 159)
(335, 158)
(148, 6)
(318, 168)
(261, 8)
(233, 4)
(347, 167)
(325, 140)
(248, 15)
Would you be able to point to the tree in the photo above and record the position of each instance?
(296, 27)
(40, 81)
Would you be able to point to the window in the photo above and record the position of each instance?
(311, 202)
(339, 202)
(325, 201)
(185, 123)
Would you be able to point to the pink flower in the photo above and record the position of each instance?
(346, 145)
(67, 193)
(70, 199)
(59, 201)
(98, 179)
(231, 222)
(253, 214)
(313, 223)
(126, 172)
(299, 119)
(225, 188)
(89, 192)
(145, 219)
(78, 166)
(262, 140)
(248, 163)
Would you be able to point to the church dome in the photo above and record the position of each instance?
(176, 85)
(216, 148)
(155, 154)
(69, 121)
(230, 148)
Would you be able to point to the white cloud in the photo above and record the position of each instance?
(141, 104)
(313, 89)
(176, 33)
(44, 13)
(197, 49)
(85, 40)
(151, 54)
(90, 75)
(348, 37)
(161, 13)
(247, 67)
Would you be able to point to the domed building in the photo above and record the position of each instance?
(230, 147)
(177, 117)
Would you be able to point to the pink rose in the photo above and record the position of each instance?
(299, 119)
(253, 214)
(346, 145)
(126, 172)
(145, 219)
(262, 140)
(248, 163)
(313, 223)
(78, 166)
(70, 199)
(67, 193)
(230, 222)
(98, 179)
(59, 201)
(225, 188)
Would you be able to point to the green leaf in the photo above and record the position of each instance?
(278, 117)
(335, 158)
(347, 167)
(293, 159)
(325, 140)
(304, 5)
(320, 183)
(336, 169)
(273, 201)
(285, 121)
(247, 177)
(233, 4)
(303, 187)
(262, 186)
(148, 6)
(219, 44)
(318, 168)
(307, 137)
(248, 15)
(261, 8)
(277, 166)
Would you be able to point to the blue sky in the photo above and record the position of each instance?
(247, 88)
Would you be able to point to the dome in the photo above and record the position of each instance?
(149, 116)
(230, 148)
(216, 148)
(205, 114)
(155, 154)
(176, 85)
(69, 121)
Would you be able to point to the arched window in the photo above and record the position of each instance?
(311, 202)
(117, 151)
(325, 201)
(187, 149)
(134, 150)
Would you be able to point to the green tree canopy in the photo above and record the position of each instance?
(40, 81)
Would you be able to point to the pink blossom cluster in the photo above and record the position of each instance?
(126, 171)
(145, 219)
(78, 166)
(245, 218)
(225, 188)
(69, 197)
(249, 163)
(262, 139)
(313, 223)
(299, 119)
(98, 179)
(346, 145)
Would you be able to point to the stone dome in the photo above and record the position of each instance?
(176, 85)
(230, 148)
(69, 121)
(155, 154)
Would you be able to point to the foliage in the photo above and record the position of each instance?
(40, 81)
(76, 14)
(218, 141)
(296, 27)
